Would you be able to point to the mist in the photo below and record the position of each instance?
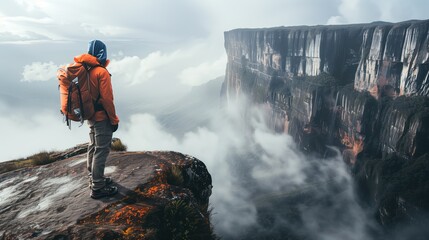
(263, 186)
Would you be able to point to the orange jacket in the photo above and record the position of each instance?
(101, 84)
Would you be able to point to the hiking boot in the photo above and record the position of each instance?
(107, 180)
(106, 191)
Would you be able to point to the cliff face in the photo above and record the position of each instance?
(162, 195)
(370, 56)
(363, 88)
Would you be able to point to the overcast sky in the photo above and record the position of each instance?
(158, 48)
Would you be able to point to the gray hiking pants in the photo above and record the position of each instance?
(100, 137)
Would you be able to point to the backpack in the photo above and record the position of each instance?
(74, 86)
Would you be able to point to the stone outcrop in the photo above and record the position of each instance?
(162, 195)
(363, 88)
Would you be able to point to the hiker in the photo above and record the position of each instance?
(104, 122)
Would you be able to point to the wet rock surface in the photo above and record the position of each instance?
(362, 88)
(400, 191)
(161, 194)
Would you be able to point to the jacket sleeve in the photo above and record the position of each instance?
(106, 96)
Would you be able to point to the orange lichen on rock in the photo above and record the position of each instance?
(136, 233)
(155, 190)
(346, 140)
(355, 145)
(128, 231)
(132, 232)
(130, 215)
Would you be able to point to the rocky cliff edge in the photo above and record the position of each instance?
(162, 195)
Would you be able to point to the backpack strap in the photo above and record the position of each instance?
(69, 105)
(82, 113)
(97, 106)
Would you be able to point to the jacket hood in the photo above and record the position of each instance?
(98, 49)
(90, 60)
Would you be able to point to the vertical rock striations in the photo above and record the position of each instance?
(369, 55)
(363, 88)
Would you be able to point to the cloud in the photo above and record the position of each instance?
(273, 164)
(38, 71)
(361, 11)
(226, 15)
(158, 77)
(25, 19)
(134, 20)
(45, 131)
(336, 20)
(154, 136)
(26, 28)
(31, 6)
(106, 30)
(192, 19)
(204, 72)
(134, 70)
